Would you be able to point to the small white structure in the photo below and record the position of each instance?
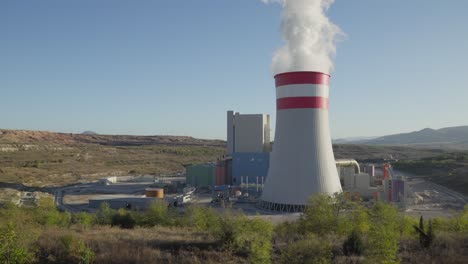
(248, 133)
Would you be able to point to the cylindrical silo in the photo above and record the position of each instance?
(154, 192)
(302, 161)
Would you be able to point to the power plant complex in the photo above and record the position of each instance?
(283, 175)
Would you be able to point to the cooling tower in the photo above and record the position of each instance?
(302, 161)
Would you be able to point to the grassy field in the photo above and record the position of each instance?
(46, 165)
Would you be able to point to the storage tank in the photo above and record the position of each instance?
(155, 192)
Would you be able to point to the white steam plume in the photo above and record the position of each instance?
(309, 35)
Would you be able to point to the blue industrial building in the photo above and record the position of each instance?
(249, 166)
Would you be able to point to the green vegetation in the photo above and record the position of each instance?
(383, 234)
(332, 230)
(11, 248)
(335, 230)
(353, 244)
(449, 170)
(310, 249)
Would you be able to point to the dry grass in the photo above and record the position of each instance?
(447, 248)
(142, 245)
(45, 165)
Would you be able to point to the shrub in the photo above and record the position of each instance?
(320, 216)
(287, 232)
(46, 213)
(204, 219)
(104, 214)
(383, 234)
(11, 248)
(459, 223)
(360, 220)
(157, 214)
(123, 220)
(308, 250)
(84, 219)
(249, 237)
(75, 250)
(353, 244)
(407, 225)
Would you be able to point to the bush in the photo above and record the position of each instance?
(287, 232)
(353, 244)
(204, 219)
(308, 250)
(157, 214)
(248, 237)
(75, 251)
(46, 213)
(383, 234)
(104, 215)
(320, 216)
(11, 248)
(123, 220)
(459, 223)
(84, 219)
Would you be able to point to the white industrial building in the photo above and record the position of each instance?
(247, 133)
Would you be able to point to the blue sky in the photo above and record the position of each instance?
(174, 67)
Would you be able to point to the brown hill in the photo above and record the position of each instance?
(35, 137)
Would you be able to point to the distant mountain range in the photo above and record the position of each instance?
(450, 137)
(89, 133)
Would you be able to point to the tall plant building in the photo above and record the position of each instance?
(248, 133)
(248, 147)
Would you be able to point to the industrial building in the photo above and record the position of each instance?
(247, 133)
(200, 175)
(301, 163)
(247, 154)
(368, 185)
(249, 167)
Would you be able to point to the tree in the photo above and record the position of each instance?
(11, 249)
(383, 234)
(320, 216)
(425, 237)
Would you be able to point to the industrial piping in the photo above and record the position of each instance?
(349, 162)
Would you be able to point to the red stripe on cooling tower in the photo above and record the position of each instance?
(301, 78)
(301, 102)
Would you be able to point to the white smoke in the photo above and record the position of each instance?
(309, 37)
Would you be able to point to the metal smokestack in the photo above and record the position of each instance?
(302, 161)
